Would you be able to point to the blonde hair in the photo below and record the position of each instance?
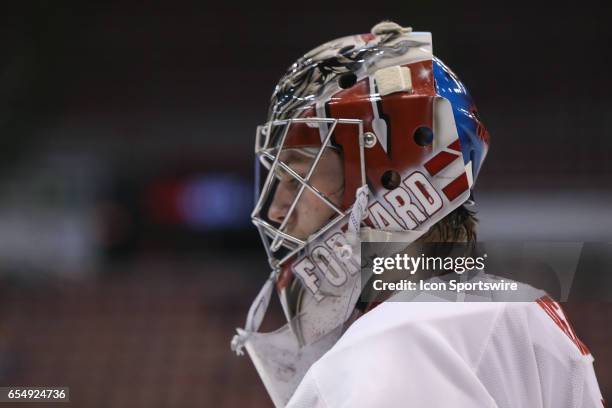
(458, 226)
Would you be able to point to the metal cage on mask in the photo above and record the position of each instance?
(270, 143)
(316, 320)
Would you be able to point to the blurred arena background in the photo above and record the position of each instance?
(126, 253)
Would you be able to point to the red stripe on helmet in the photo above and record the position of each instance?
(455, 146)
(439, 161)
(456, 187)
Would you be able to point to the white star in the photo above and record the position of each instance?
(424, 73)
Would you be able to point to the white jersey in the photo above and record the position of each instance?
(412, 354)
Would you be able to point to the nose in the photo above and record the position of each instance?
(280, 204)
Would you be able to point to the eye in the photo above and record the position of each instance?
(282, 175)
(288, 180)
(293, 182)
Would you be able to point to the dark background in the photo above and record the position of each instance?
(126, 132)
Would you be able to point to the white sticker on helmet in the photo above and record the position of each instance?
(393, 79)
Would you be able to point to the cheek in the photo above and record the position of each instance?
(329, 180)
(312, 207)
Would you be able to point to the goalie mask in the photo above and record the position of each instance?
(368, 138)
